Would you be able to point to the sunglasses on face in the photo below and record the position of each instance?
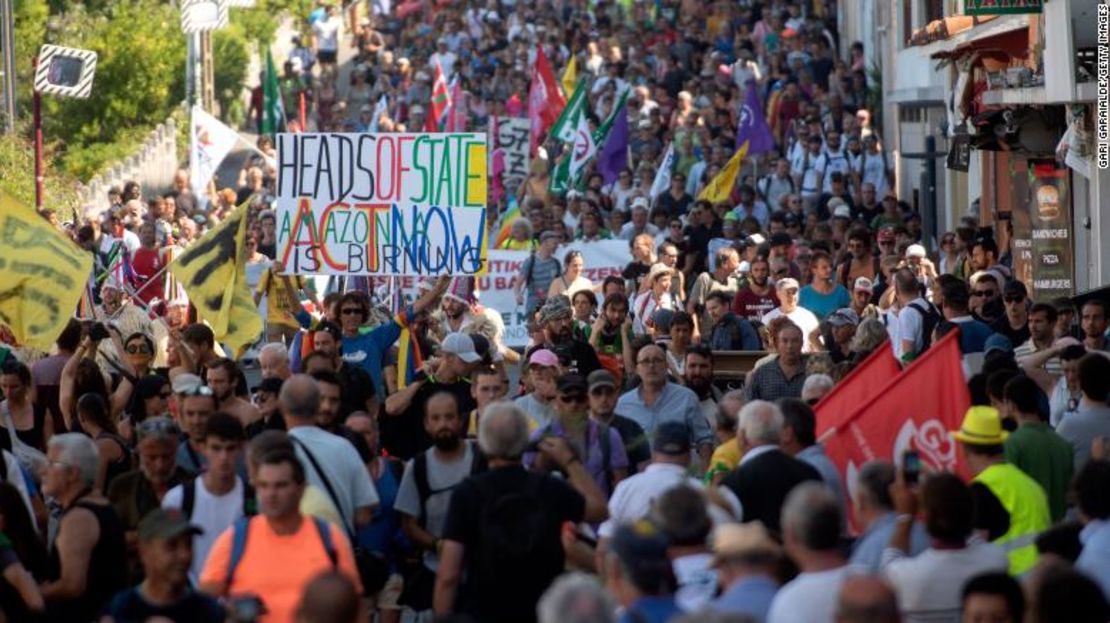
(1014, 299)
(573, 399)
(138, 349)
(983, 293)
(352, 311)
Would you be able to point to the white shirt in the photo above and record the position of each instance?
(929, 585)
(212, 513)
(834, 162)
(633, 497)
(808, 598)
(807, 165)
(446, 61)
(697, 581)
(910, 326)
(327, 34)
(344, 469)
(802, 317)
(644, 305)
(130, 242)
(871, 168)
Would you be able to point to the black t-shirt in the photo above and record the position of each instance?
(129, 606)
(575, 356)
(635, 441)
(357, 388)
(494, 593)
(1017, 336)
(403, 436)
(635, 271)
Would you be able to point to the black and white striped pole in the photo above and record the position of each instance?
(62, 72)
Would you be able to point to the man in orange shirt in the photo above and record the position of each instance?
(273, 556)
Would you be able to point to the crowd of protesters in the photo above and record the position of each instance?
(607, 473)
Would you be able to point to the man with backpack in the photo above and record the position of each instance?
(537, 272)
(264, 563)
(599, 446)
(916, 320)
(425, 492)
(217, 498)
(504, 526)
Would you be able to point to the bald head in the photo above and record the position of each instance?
(867, 599)
(300, 400)
(330, 597)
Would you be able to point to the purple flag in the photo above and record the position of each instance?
(753, 127)
(614, 155)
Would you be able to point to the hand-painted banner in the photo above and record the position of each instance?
(382, 204)
(512, 139)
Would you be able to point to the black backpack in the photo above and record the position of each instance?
(930, 317)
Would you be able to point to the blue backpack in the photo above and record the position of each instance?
(239, 543)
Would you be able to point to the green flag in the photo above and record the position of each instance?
(567, 123)
(273, 111)
(582, 148)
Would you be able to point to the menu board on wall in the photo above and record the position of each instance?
(1043, 255)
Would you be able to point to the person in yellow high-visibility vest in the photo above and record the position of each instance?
(1010, 507)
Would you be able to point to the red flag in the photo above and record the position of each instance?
(914, 411)
(441, 99)
(861, 385)
(545, 101)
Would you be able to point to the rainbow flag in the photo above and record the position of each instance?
(409, 359)
(512, 214)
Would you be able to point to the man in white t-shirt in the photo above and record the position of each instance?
(787, 290)
(330, 461)
(811, 527)
(217, 498)
(326, 40)
(913, 310)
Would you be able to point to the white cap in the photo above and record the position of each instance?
(460, 345)
(745, 267)
(915, 250)
(842, 211)
(640, 202)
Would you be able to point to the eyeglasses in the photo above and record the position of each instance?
(652, 361)
(573, 399)
(137, 349)
(199, 390)
(983, 293)
(351, 311)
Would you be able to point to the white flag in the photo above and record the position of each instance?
(381, 108)
(662, 179)
(210, 143)
(582, 149)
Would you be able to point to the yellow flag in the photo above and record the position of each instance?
(720, 187)
(213, 273)
(42, 275)
(570, 76)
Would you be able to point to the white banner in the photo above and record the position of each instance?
(512, 139)
(210, 142)
(602, 259)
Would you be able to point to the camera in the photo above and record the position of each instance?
(98, 331)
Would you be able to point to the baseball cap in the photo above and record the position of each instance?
(162, 523)
(843, 316)
(1015, 287)
(460, 345)
(641, 547)
(735, 540)
(481, 344)
(787, 283)
(842, 210)
(543, 358)
(601, 378)
(672, 438)
(270, 385)
(863, 284)
(756, 239)
(640, 202)
(570, 384)
(998, 342)
(915, 250)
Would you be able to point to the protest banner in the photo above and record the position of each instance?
(42, 275)
(382, 204)
(495, 288)
(511, 139)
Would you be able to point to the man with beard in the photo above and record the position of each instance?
(358, 387)
(557, 322)
(698, 378)
(756, 297)
(330, 415)
(595, 444)
(727, 331)
(603, 400)
(330, 461)
(223, 379)
(425, 492)
(266, 399)
(723, 279)
(402, 435)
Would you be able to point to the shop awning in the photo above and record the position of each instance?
(968, 31)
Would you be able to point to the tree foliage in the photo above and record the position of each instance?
(17, 177)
